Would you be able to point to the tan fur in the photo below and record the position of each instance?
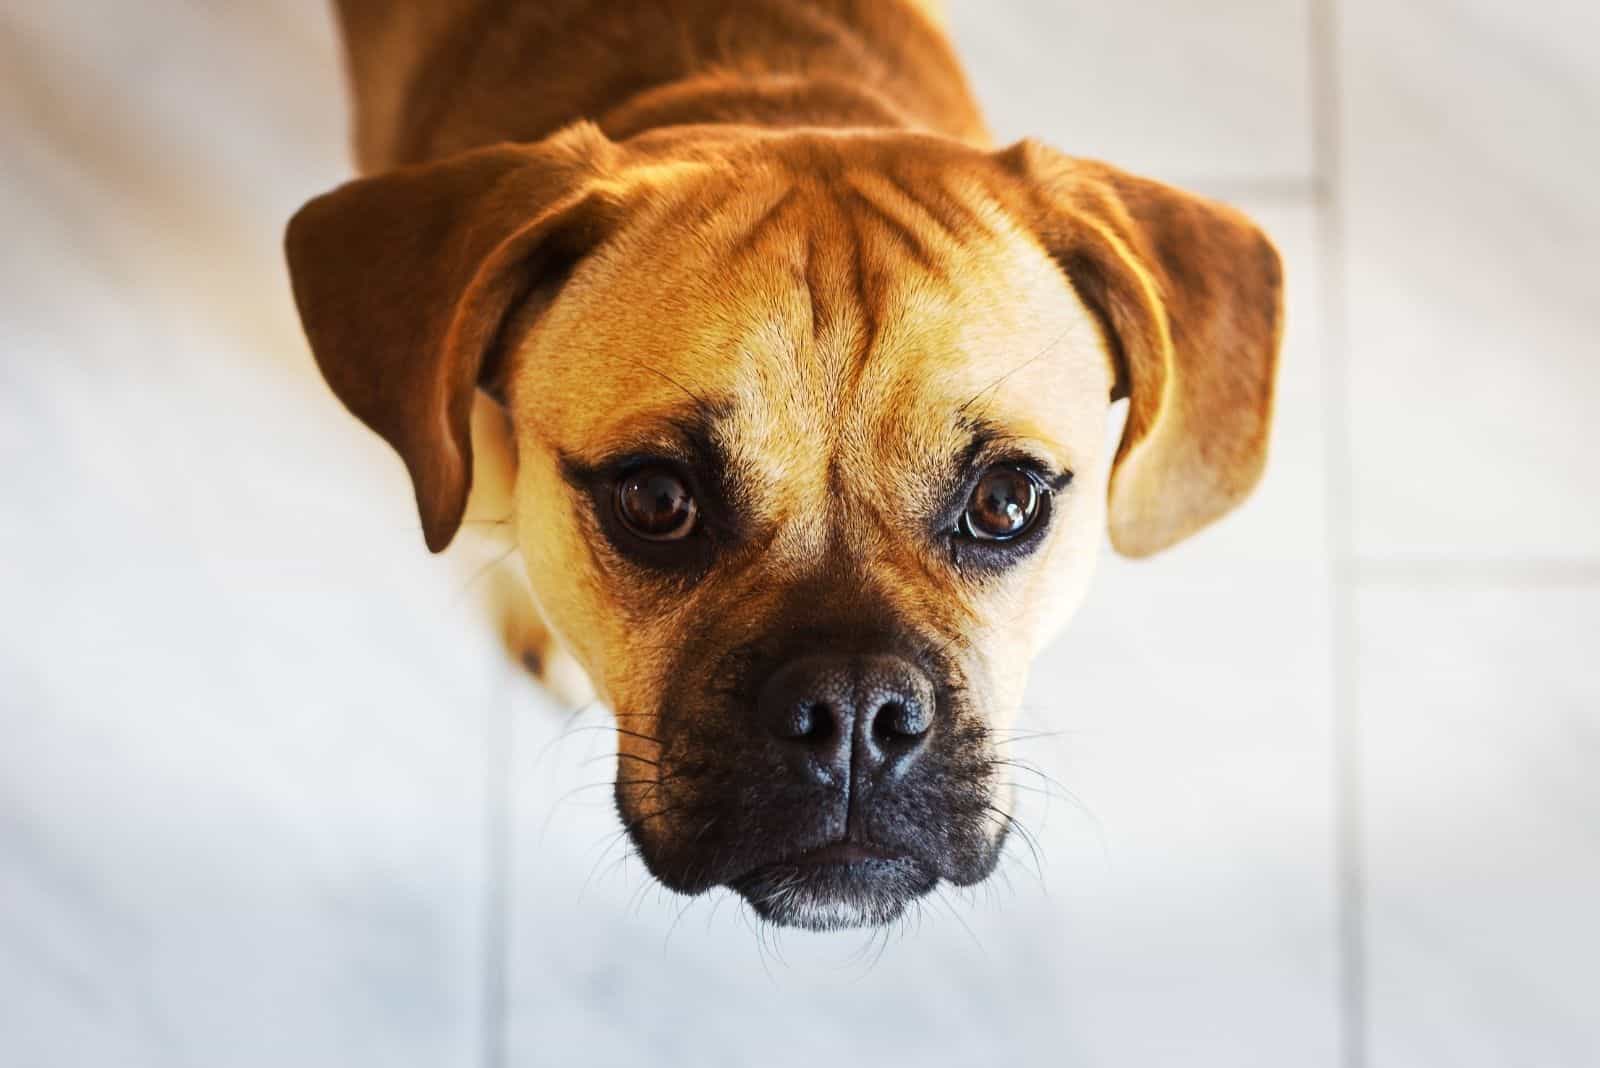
(811, 407)
(786, 211)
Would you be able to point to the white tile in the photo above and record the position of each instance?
(1194, 92)
(609, 969)
(1198, 689)
(1201, 706)
(1473, 233)
(243, 714)
(1188, 915)
(1480, 721)
(242, 791)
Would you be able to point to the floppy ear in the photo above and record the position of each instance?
(405, 283)
(1189, 294)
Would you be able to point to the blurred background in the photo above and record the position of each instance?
(271, 794)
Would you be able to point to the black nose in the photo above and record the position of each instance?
(838, 718)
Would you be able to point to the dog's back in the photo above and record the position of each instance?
(433, 77)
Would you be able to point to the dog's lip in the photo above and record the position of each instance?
(845, 852)
(846, 855)
(835, 886)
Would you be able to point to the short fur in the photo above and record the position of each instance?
(774, 231)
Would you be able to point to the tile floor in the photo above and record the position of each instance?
(269, 796)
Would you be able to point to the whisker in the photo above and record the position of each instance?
(621, 835)
(620, 755)
(1031, 736)
(610, 729)
(1059, 790)
(478, 575)
(700, 402)
(940, 895)
(627, 854)
(754, 926)
(997, 383)
(555, 806)
(637, 734)
(667, 939)
(1056, 787)
(1011, 822)
(1042, 791)
(722, 895)
(636, 899)
(571, 727)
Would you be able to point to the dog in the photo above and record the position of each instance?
(796, 390)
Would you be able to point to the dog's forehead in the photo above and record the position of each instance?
(850, 322)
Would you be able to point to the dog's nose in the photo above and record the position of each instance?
(838, 717)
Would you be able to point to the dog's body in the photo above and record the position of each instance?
(807, 389)
(435, 79)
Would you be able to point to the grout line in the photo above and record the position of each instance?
(1392, 573)
(1349, 847)
(500, 742)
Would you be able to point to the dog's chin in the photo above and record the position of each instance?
(826, 894)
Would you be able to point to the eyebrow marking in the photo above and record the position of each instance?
(987, 435)
(686, 433)
(984, 434)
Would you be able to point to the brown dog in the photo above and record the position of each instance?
(807, 387)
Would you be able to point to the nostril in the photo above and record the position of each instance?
(807, 722)
(899, 721)
(832, 720)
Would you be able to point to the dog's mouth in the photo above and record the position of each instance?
(842, 885)
(829, 784)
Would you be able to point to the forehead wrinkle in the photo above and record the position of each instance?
(904, 228)
(850, 289)
(837, 252)
(862, 294)
(844, 320)
(804, 386)
(867, 300)
(714, 214)
(803, 405)
(887, 222)
(751, 236)
(776, 428)
(946, 207)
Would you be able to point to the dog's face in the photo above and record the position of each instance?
(809, 433)
(804, 466)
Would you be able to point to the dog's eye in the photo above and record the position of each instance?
(655, 503)
(1003, 505)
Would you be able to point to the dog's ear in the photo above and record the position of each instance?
(406, 281)
(1189, 295)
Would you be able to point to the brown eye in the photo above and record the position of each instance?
(656, 504)
(1003, 505)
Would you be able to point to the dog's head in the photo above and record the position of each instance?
(810, 432)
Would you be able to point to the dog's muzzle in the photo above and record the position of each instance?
(842, 789)
(852, 727)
